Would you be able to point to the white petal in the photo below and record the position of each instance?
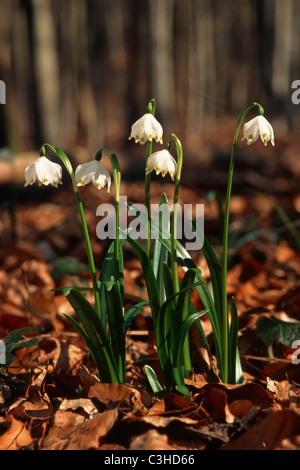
(30, 174)
(162, 162)
(93, 172)
(84, 173)
(44, 171)
(258, 127)
(265, 130)
(48, 172)
(251, 131)
(146, 128)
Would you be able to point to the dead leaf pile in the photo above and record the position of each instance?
(50, 396)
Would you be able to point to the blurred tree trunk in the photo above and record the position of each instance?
(162, 56)
(80, 72)
(46, 67)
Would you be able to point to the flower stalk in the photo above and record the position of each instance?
(224, 315)
(150, 109)
(117, 182)
(64, 159)
(186, 358)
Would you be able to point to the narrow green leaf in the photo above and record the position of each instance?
(154, 382)
(178, 374)
(106, 274)
(214, 267)
(178, 366)
(98, 341)
(79, 328)
(168, 283)
(16, 336)
(182, 312)
(186, 262)
(132, 313)
(163, 339)
(235, 368)
(181, 335)
(116, 326)
(150, 280)
(160, 256)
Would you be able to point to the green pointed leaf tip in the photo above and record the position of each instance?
(154, 382)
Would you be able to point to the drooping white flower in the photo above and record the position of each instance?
(44, 172)
(258, 127)
(162, 162)
(146, 128)
(93, 172)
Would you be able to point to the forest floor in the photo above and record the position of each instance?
(50, 397)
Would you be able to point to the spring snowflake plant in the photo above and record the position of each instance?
(103, 323)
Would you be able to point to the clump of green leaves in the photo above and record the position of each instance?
(103, 324)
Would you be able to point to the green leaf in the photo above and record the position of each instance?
(150, 280)
(107, 274)
(154, 382)
(168, 282)
(79, 328)
(116, 326)
(214, 267)
(160, 257)
(179, 375)
(272, 329)
(235, 368)
(163, 339)
(133, 311)
(178, 366)
(167, 328)
(97, 338)
(182, 334)
(182, 312)
(17, 336)
(186, 262)
(16, 340)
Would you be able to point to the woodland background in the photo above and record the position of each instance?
(80, 72)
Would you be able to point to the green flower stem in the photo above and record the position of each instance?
(115, 299)
(186, 358)
(117, 182)
(62, 156)
(150, 109)
(147, 201)
(225, 322)
(174, 264)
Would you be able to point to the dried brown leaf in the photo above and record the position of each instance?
(15, 434)
(273, 433)
(57, 356)
(85, 436)
(151, 440)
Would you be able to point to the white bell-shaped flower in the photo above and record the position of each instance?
(258, 127)
(162, 162)
(146, 128)
(93, 172)
(44, 172)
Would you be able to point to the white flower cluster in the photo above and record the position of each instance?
(46, 172)
(147, 128)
